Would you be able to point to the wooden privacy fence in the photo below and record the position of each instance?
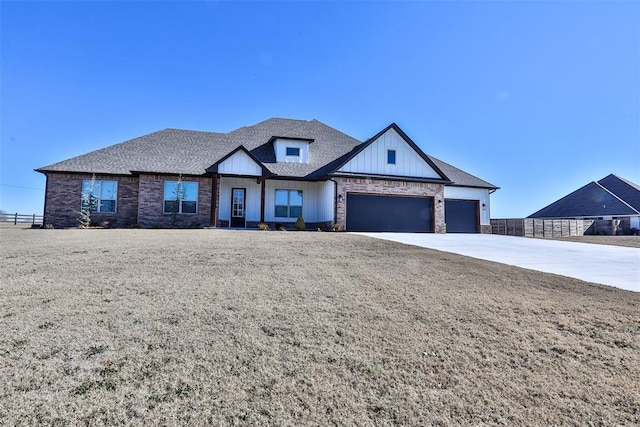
(548, 228)
(17, 218)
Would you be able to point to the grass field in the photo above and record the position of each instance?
(629, 241)
(179, 327)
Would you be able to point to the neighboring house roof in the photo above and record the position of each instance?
(177, 151)
(626, 190)
(611, 196)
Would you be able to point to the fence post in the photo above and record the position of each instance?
(15, 219)
(34, 220)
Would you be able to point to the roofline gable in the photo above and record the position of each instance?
(357, 150)
(214, 167)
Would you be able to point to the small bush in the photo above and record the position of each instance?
(336, 227)
(299, 225)
(263, 226)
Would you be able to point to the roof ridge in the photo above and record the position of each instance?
(614, 195)
(188, 130)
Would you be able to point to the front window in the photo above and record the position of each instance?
(180, 197)
(99, 196)
(288, 203)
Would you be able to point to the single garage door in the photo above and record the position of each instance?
(461, 216)
(366, 212)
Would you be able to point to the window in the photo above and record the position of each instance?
(99, 196)
(288, 203)
(292, 155)
(180, 197)
(391, 157)
(293, 151)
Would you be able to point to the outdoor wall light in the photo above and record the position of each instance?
(340, 198)
(440, 201)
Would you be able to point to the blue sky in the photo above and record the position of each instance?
(538, 98)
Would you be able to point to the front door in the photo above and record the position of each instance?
(238, 211)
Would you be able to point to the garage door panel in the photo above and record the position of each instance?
(461, 216)
(367, 212)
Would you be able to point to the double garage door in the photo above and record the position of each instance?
(368, 212)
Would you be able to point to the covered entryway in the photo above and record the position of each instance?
(461, 216)
(368, 212)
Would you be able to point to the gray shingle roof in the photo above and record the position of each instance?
(177, 151)
(459, 177)
(611, 196)
(626, 190)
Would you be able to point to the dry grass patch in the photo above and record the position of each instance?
(223, 327)
(629, 241)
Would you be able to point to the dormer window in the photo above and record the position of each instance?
(293, 154)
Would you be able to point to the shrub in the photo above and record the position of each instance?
(263, 226)
(299, 225)
(336, 227)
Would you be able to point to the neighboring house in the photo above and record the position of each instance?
(272, 172)
(611, 198)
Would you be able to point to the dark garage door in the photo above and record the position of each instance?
(367, 212)
(461, 216)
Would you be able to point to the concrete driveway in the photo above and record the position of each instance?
(609, 265)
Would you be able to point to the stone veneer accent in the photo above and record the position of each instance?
(389, 187)
(151, 202)
(64, 193)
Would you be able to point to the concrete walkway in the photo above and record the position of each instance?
(608, 265)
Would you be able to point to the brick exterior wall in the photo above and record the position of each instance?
(140, 201)
(388, 187)
(151, 203)
(63, 199)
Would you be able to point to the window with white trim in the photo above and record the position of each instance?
(292, 154)
(99, 195)
(288, 203)
(180, 197)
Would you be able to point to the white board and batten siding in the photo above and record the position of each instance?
(280, 146)
(317, 200)
(252, 197)
(240, 164)
(373, 159)
(471, 193)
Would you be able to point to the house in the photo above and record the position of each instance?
(271, 172)
(611, 199)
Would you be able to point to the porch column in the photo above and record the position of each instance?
(262, 191)
(214, 201)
